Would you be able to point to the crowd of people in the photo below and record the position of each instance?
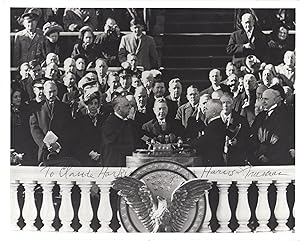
(86, 115)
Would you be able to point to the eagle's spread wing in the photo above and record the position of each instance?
(184, 198)
(138, 196)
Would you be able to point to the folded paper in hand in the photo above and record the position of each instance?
(50, 138)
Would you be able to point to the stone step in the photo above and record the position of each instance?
(188, 73)
(186, 39)
(218, 16)
(196, 62)
(194, 50)
(196, 27)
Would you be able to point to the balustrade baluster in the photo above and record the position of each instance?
(223, 210)
(14, 205)
(29, 208)
(243, 212)
(66, 212)
(47, 209)
(85, 212)
(281, 210)
(206, 225)
(263, 212)
(104, 211)
(121, 229)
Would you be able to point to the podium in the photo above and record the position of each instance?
(138, 159)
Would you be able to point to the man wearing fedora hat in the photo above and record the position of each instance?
(143, 46)
(28, 40)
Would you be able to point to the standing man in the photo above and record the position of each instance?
(28, 40)
(159, 89)
(236, 149)
(109, 41)
(143, 46)
(215, 79)
(117, 134)
(175, 90)
(211, 143)
(271, 132)
(247, 41)
(55, 116)
(188, 109)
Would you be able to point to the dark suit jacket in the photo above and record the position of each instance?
(88, 138)
(194, 127)
(239, 37)
(277, 124)
(181, 101)
(210, 146)
(109, 48)
(240, 152)
(210, 89)
(184, 112)
(153, 129)
(146, 52)
(59, 122)
(118, 139)
(248, 111)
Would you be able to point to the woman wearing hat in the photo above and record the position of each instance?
(21, 139)
(52, 44)
(89, 142)
(86, 46)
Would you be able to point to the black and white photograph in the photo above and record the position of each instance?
(161, 119)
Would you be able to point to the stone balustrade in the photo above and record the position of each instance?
(262, 194)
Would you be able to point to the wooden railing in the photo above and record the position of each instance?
(45, 178)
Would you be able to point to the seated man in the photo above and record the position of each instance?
(286, 70)
(161, 124)
(188, 109)
(210, 145)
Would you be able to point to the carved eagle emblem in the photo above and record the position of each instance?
(154, 212)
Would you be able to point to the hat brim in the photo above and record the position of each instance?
(30, 15)
(53, 29)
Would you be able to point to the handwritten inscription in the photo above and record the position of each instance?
(239, 172)
(95, 173)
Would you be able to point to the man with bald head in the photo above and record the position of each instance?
(271, 132)
(211, 142)
(117, 134)
(215, 79)
(53, 115)
(247, 41)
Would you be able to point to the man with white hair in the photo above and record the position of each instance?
(247, 41)
(286, 70)
(215, 79)
(175, 90)
(52, 116)
(211, 143)
(271, 132)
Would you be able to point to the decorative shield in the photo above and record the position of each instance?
(162, 177)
